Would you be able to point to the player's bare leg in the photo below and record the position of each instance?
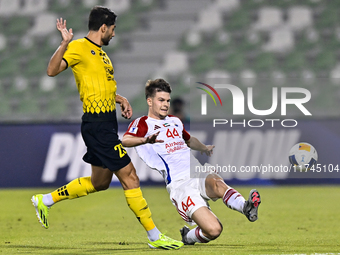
(128, 177)
(208, 227)
(101, 178)
(217, 188)
(135, 200)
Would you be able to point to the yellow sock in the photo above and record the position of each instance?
(138, 205)
(76, 188)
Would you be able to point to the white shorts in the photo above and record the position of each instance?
(188, 196)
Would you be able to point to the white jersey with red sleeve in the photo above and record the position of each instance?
(172, 157)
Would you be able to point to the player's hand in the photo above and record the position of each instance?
(67, 35)
(153, 138)
(209, 150)
(126, 109)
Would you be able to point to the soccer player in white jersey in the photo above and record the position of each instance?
(162, 142)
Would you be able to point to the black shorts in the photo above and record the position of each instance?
(104, 148)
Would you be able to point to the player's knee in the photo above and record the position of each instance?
(214, 231)
(215, 186)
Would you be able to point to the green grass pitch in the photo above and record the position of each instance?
(292, 220)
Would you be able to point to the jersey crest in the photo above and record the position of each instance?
(133, 130)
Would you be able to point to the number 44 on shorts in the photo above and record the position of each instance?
(188, 204)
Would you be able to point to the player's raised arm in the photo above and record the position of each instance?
(56, 64)
(195, 144)
(132, 141)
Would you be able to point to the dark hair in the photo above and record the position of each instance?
(158, 85)
(100, 15)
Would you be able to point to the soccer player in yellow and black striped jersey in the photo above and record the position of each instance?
(94, 75)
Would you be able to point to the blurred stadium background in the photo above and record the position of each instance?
(260, 43)
(174, 39)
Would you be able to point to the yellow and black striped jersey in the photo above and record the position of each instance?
(93, 72)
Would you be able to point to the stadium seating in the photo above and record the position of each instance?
(241, 39)
(268, 18)
(299, 17)
(9, 7)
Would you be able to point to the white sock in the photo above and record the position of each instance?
(153, 234)
(196, 235)
(234, 200)
(48, 200)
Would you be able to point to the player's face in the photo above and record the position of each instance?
(110, 32)
(159, 105)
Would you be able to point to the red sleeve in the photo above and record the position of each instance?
(185, 135)
(138, 127)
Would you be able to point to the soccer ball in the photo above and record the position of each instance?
(303, 156)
